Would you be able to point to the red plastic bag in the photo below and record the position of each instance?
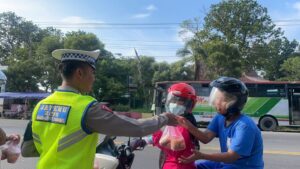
(172, 139)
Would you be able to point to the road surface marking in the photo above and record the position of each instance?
(277, 152)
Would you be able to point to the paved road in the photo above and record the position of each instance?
(282, 150)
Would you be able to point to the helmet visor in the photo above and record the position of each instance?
(212, 96)
(178, 105)
(218, 97)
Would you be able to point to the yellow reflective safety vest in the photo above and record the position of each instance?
(59, 132)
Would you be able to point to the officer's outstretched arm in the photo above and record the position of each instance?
(102, 121)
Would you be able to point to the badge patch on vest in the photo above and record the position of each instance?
(53, 113)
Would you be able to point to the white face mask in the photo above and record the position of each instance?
(176, 109)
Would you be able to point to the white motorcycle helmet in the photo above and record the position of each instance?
(103, 161)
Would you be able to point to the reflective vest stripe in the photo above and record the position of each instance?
(72, 141)
(70, 137)
(36, 138)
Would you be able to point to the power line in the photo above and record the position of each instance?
(124, 28)
(158, 56)
(109, 24)
(99, 27)
(287, 20)
(135, 40)
(289, 24)
(143, 48)
(135, 24)
(143, 44)
(138, 46)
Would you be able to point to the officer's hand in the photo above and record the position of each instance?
(185, 123)
(172, 119)
(138, 144)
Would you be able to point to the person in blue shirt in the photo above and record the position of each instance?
(240, 139)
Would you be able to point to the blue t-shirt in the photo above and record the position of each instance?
(241, 136)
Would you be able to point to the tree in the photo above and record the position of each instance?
(194, 46)
(50, 78)
(144, 82)
(223, 59)
(208, 52)
(82, 41)
(161, 72)
(181, 71)
(111, 79)
(273, 54)
(23, 76)
(291, 69)
(9, 34)
(242, 22)
(19, 41)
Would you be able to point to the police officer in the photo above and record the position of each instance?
(65, 125)
(240, 139)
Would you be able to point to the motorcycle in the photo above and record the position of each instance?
(112, 156)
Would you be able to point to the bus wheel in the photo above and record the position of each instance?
(267, 123)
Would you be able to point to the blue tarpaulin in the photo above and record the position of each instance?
(22, 95)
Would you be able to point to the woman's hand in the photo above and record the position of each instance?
(195, 156)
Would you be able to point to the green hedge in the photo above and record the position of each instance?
(120, 107)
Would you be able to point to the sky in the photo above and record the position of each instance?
(150, 26)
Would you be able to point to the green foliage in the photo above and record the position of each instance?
(241, 33)
(180, 70)
(21, 42)
(82, 41)
(9, 34)
(50, 78)
(223, 59)
(275, 53)
(194, 46)
(291, 68)
(23, 76)
(141, 110)
(242, 22)
(111, 79)
(120, 108)
(161, 72)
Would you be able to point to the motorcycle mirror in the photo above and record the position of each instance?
(128, 142)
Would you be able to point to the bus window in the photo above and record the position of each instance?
(270, 90)
(201, 89)
(252, 90)
(204, 91)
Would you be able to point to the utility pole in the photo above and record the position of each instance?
(139, 66)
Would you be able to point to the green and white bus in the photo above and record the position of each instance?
(270, 103)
